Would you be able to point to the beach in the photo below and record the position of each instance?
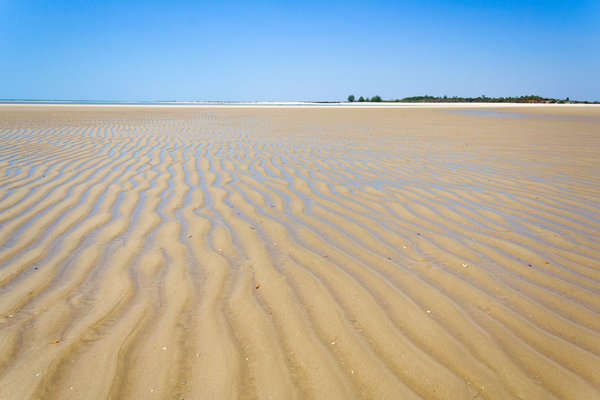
(318, 252)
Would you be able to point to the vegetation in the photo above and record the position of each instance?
(480, 99)
(350, 98)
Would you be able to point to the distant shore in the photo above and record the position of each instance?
(291, 104)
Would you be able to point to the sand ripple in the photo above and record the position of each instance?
(298, 253)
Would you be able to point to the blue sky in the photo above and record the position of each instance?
(297, 50)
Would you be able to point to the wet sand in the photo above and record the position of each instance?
(191, 253)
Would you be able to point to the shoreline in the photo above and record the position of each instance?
(297, 105)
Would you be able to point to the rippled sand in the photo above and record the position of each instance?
(217, 253)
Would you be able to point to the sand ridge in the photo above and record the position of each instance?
(190, 252)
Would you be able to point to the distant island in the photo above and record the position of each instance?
(531, 99)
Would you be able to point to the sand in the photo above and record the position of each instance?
(310, 252)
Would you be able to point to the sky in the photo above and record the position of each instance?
(297, 50)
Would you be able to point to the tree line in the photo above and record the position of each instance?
(480, 99)
(374, 99)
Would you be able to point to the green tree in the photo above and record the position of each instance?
(361, 99)
(351, 98)
(376, 99)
